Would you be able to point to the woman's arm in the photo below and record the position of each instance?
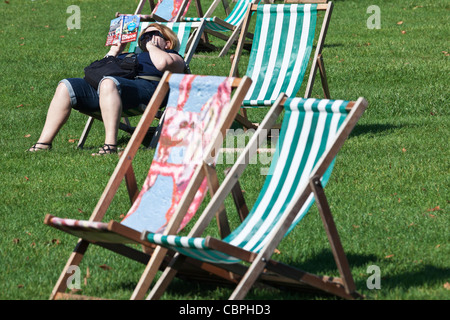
(164, 61)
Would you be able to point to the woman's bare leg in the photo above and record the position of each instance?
(111, 108)
(57, 115)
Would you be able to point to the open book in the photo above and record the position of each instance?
(123, 29)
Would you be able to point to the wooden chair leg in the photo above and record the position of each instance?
(248, 280)
(239, 199)
(85, 133)
(166, 277)
(74, 260)
(234, 36)
(323, 77)
(149, 273)
(332, 234)
(221, 215)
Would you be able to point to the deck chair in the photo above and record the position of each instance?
(219, 27)
(163, 11)
(281, 50)
(188, 35)
(312, 133)
(199, 110)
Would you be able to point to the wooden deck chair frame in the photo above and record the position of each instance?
(317, 61)
(120, 235)
(125, 124)
(343, 287)
(234, 28)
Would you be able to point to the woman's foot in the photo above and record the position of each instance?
(106, 149)
(40, 146)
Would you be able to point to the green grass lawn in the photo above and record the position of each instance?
(388, 192)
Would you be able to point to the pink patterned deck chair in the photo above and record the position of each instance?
(199, 110)
(164, 11)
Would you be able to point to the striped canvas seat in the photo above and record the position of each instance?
(280, 52)
(164, 11)
(169, 10)
(311, 134)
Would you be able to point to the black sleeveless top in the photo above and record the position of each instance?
(146, 66)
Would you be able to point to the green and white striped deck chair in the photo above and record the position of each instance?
(281, 50)
(312, 133)
(219, 27)
(189, 34)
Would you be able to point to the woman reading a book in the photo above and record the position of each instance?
(159, 44)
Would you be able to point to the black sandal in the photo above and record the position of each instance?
(107, 149)
(35, 148)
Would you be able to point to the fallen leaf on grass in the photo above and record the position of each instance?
(400, 22)
(437, 208)
(447, 286)
(389, 256)
(20, 105)
(27, 136)
(403, 32)
(105, 267)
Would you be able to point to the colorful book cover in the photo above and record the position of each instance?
(123, 29)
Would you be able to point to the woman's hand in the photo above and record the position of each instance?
(116, 49)
(156, 41)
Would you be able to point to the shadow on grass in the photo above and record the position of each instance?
(428, 274)
(373, 129)
(321, 264)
